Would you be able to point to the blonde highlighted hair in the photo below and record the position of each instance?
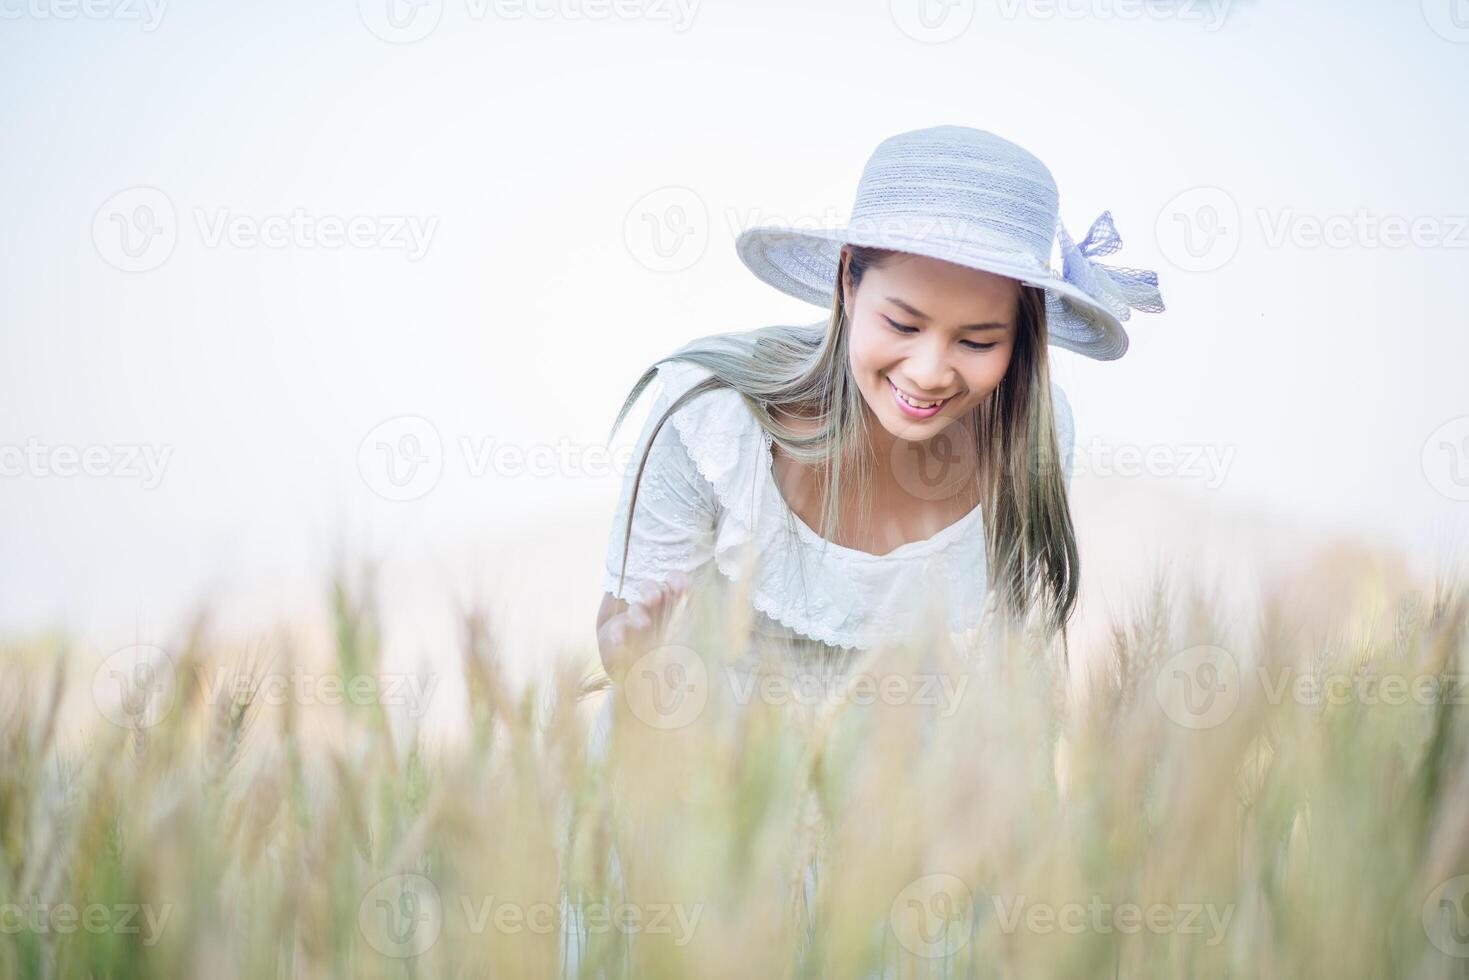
(805, 371)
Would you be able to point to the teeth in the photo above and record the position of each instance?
(910, 401)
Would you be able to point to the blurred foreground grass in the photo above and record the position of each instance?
(1286, 799)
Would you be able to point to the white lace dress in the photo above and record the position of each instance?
(708, 498)
(709, 506)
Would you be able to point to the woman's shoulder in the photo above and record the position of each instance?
(716, 428)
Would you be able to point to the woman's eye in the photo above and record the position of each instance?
(970, 344)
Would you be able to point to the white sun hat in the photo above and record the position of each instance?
(972, 198)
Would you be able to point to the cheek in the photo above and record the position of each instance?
(870, 349)
(985, 373)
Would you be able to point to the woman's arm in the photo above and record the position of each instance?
(672, 538)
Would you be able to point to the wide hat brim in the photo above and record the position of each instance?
(803, 262)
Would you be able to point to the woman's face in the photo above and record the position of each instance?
(934, 331)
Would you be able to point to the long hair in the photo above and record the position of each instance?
(805, 371)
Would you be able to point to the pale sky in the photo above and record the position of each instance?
(354, 226)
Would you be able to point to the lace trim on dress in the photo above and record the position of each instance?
(844, 597)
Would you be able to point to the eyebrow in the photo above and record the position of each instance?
(991, 325)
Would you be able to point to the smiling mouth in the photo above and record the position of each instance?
(917, 404)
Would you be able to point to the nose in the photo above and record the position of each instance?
(929, 369)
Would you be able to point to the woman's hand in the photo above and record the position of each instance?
(633, 632)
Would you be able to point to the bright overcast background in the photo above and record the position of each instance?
(249, 249)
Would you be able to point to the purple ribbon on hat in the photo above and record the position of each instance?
(1120, 288)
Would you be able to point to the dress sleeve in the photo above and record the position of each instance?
(1065, 431)
(673, 527)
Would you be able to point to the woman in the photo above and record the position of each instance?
(902, 466)
(912, 448)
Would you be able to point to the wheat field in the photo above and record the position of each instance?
(1192, 798)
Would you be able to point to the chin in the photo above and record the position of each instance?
(896, 424)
